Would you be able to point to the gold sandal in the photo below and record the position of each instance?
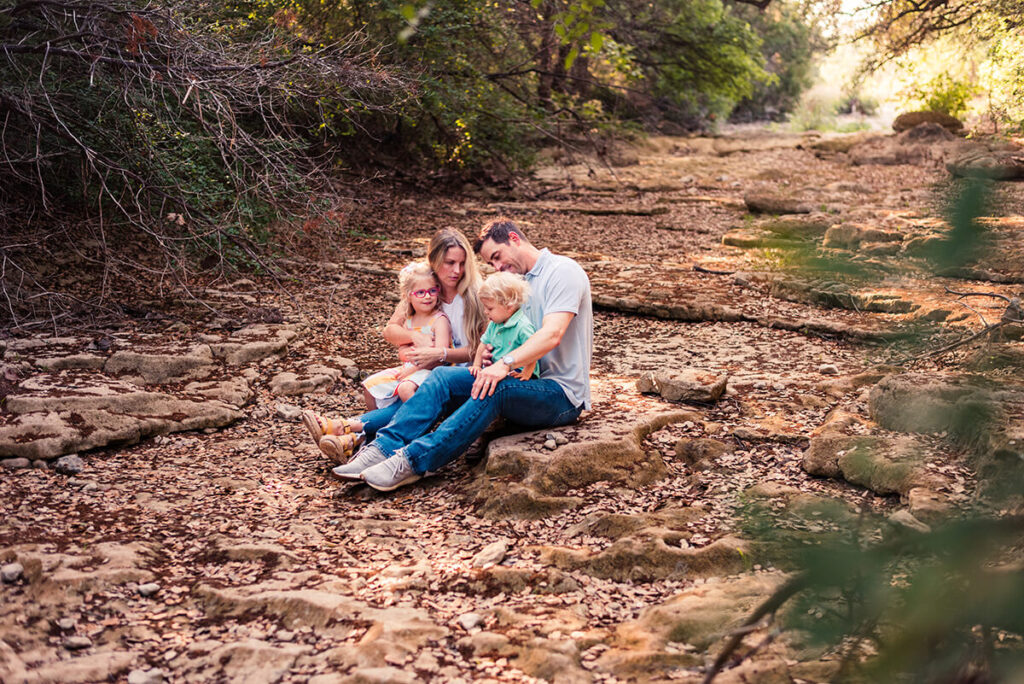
(340, 448)
(319, 426)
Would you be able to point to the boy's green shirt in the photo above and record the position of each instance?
(509, 336)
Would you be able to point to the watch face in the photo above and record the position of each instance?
(507, 360)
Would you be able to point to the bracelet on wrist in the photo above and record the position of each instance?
(444, 354)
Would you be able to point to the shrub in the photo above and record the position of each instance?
(943, 94)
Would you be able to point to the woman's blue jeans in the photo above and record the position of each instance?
(533, 404)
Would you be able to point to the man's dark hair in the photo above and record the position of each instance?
(498, 230)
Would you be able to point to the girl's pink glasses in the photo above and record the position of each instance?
(420, 294)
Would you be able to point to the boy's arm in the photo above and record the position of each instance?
(527, 371)
(478, 358)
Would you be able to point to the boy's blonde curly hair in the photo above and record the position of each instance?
(411, 274)
(507, 289)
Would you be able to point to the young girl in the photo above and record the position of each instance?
(420, 292)
(502, 295)
(419, 288)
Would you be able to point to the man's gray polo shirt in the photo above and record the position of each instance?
(559, 284)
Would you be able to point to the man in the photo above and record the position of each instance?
(559, 308)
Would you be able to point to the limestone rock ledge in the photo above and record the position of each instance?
(524, 480)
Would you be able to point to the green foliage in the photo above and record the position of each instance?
(967, 240)
(943, 94)
(1002, 80)
(789, 45)
(813, 114)
(892, 604)
(930, 607)
(854, 102)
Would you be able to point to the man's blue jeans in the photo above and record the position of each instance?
(534, 404)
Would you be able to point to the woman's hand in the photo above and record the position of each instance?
(424, 357)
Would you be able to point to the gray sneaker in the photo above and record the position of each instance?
(369, 455)
(391, 474)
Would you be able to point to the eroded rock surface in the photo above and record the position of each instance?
(622, 547)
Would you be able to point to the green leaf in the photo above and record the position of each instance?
(571, 57)
(560, 31)
(596, 41)
(408, 12)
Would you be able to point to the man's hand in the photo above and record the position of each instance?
(487, 380)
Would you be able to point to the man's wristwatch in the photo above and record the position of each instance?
(508, 360)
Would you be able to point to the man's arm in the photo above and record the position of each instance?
(552, 329)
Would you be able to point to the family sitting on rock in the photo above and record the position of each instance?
(530, 366)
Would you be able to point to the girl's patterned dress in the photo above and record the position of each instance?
(383, 385)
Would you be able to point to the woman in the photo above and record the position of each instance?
(454, 263)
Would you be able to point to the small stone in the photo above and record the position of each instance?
(71, 464)
(550, 436)
(154, 676)
(148, 589)
(470, 620)
(285, 635)
(490, 554)
(828, 369)
(11, 572)
(14, 463)
(550, 444)
(288, 412)
(66, 624)
(904, 518)
(77, 643)
(561, 439)
(40, 464)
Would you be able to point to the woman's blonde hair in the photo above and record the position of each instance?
(474, 321)
(507, 289)
(409, 276)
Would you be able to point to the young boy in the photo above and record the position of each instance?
(502, 296)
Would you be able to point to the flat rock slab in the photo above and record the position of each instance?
(653, 555)
(885, 465)
(915, 402)
(315, 378)
(159, 367)
(764, 203)
(578, 208)
(675, 291)
(685, 384)
(982, 164)
(51, 415)
(252, 343)
(524, 479)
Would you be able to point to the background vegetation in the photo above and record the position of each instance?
(190, 128)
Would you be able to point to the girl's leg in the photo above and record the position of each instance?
(378, 418)
(368, 399)
(406, 390)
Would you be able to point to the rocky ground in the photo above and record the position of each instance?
(765, 308)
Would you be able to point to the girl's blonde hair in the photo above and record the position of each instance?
(507, 289)
(409, 276)
(474, 321)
